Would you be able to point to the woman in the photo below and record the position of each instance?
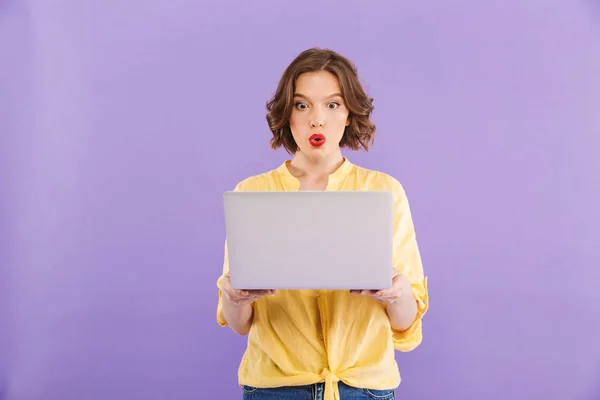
(334, 344)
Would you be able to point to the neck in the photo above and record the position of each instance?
(301, 165)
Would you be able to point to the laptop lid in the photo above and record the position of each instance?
(309, 239)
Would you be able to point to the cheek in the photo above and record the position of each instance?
(295, 121)
(341, 119)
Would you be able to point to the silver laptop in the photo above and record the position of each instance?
(310, 239)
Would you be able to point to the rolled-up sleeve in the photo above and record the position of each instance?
(407, 261)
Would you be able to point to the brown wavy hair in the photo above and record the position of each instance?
(360, 133)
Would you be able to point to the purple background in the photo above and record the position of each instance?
(123, 122)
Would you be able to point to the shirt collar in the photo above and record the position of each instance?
(290, 182)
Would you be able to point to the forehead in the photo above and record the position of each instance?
(317, 84)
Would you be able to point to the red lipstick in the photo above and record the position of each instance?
(317, 140)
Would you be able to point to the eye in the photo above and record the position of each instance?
(301, 106)
(333, 105)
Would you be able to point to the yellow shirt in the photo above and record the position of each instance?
(301, 337)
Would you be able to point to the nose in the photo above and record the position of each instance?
(316, 118)
(316, 122)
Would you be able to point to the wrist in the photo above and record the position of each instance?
(238, 316)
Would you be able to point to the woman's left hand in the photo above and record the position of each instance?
(400, 287)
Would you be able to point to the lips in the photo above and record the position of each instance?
(317, 140)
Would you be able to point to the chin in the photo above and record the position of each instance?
(316, 153)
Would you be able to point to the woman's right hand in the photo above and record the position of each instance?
(241, 297)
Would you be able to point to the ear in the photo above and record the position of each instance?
(348, 120)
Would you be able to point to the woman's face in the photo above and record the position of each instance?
(319, 115)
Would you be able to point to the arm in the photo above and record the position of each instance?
(236, 316)
(239, 318)
(232, 311)
(235, 306)
(403, 311)
(407, 312)
(407, 300)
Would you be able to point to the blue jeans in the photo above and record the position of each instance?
(314, 392)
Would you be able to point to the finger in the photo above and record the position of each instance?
(236, 292)
(384, 293)
(390, 297)
(262, 292)
(235, 295)
(363, 292)
(387, 295)
(236, 301)
(240, 297)
(393, 292)
(249, 299)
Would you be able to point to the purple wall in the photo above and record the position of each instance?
(127, 120)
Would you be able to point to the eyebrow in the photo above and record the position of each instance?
(328, 97)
